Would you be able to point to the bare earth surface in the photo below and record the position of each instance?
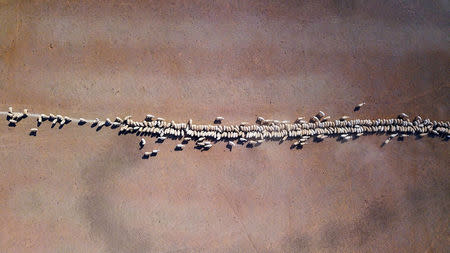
(78, 190)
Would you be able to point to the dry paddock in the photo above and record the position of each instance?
(78, 190)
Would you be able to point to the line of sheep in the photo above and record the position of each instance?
(317, 128)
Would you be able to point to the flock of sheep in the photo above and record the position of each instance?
(300, 131)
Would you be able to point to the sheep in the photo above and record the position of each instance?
(33, 131)
(17, 116)
(346, 138)
(322, 136)
(142, 143)
(262, 130)
(358, 106)
(393, 135)
(315, 119)
(326, 118)
(299, 119)
(403, 116)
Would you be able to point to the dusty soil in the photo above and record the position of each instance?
(78, 190)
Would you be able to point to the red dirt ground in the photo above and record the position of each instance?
(78, 190)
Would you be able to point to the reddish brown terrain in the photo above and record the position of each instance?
(76, 189)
